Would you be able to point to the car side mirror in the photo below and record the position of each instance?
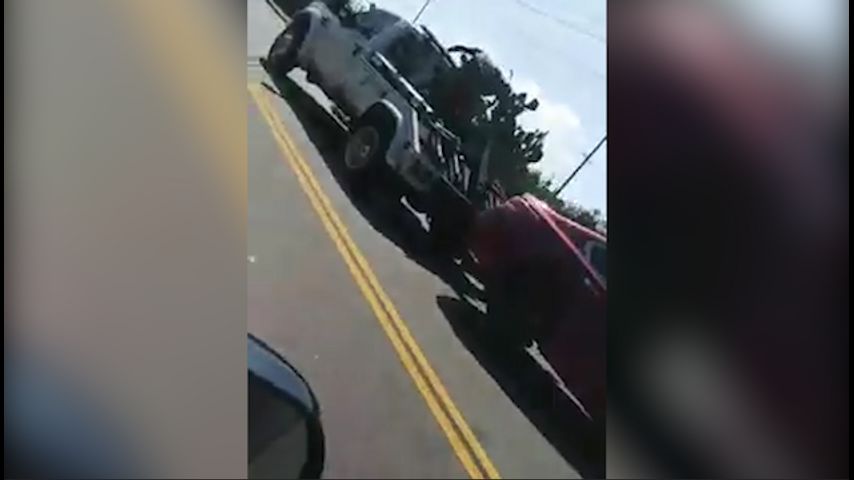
(285, 434)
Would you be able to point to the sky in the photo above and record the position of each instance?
(554, 50)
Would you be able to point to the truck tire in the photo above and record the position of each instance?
(282, 56)
(364, 155)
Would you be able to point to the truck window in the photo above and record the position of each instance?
(405, 53)
(412, 55)
(598, 257)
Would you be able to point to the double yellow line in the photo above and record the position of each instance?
(462, 439)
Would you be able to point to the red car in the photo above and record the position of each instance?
(546, 282)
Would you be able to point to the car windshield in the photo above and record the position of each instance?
(598, 257)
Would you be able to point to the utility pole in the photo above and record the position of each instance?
(580, 165)
(417, 15)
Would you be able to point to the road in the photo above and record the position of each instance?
(384, 333)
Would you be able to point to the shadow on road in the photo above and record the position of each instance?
(386, 214)
(526, 383)
(531, 388)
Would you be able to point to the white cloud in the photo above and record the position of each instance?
(564, 143)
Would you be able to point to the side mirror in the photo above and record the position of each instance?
(285, 434)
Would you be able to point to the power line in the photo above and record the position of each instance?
(426, 2)
(561, 21)
(578, 168)
(533, 9)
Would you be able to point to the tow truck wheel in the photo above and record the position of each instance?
(363, 156)
(362, 148)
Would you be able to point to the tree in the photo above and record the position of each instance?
(478, 104)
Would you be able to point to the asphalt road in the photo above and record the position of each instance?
(385, 333)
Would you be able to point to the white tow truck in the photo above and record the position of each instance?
(377, 68)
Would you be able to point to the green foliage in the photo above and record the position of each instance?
(478, 104)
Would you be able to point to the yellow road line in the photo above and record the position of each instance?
(462, 439)
(400, 324)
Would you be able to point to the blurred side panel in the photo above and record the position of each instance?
(728, 208)
(125, 244)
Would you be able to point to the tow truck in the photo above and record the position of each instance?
(377, 69)
(544, 274)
